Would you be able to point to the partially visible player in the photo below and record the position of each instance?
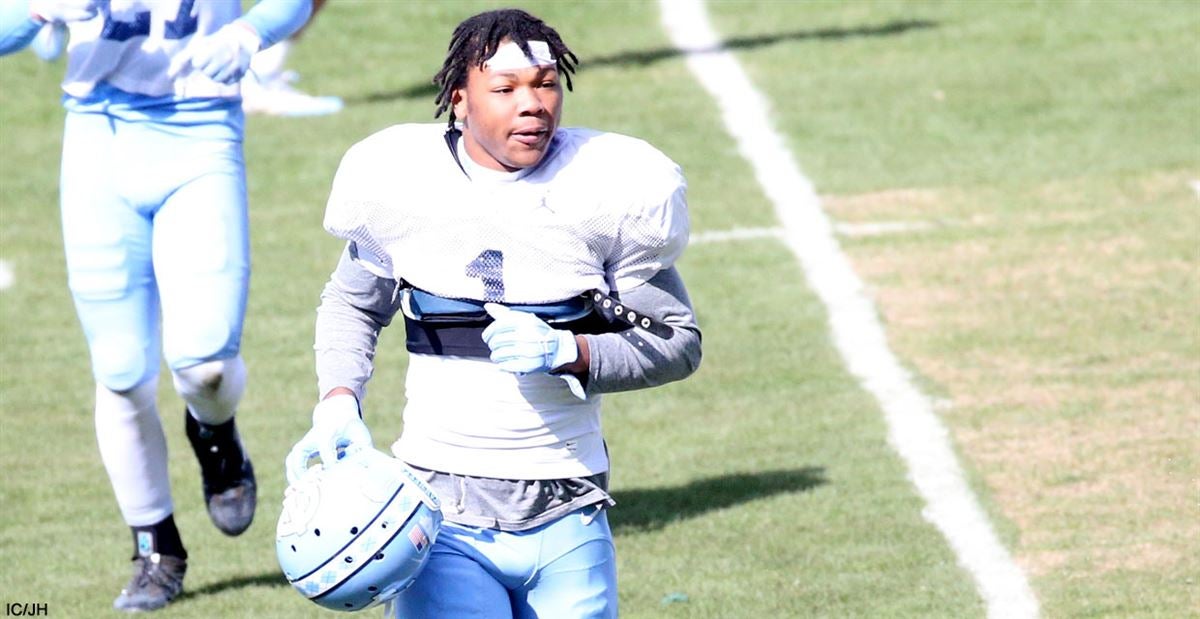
(534, 268)
(153, 198)
(267, 87)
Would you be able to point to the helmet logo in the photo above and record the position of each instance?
(300, 504)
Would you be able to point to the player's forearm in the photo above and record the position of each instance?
(344, 347)
(355, 306)
(276, 20)
(17, 26)
(635, 359)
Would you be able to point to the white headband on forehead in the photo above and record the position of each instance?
(510, 57)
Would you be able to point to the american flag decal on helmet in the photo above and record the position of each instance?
(418, 538)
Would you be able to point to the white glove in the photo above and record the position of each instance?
(336, 425)
(63, 11)
(223, 56)
(522, 343)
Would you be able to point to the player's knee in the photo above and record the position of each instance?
(201, 380)
(212, 389)
(121, 362)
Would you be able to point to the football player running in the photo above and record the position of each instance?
(153, 199)
(533, 266)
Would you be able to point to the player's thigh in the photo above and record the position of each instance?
(107, 242)
(577, 575)
(452, 585)
(202, 258)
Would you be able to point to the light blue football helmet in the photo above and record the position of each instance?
(356, 533)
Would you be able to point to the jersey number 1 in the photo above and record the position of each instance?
(489, 266)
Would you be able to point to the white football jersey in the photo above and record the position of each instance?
(102, 49)
(601, 211)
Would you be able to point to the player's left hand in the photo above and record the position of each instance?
(522, 343)
(223, 56)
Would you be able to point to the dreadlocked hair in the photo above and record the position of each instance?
(476, 39)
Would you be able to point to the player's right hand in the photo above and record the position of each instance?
(522, 343)
(224, 56)
(63, 11)
(336, 426)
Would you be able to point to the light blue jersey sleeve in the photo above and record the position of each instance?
(276, 20)
(17, 27)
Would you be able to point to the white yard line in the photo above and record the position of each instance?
(1195, 187)
(736, 234)
(914, 430)
(858, 229)
(880, 228)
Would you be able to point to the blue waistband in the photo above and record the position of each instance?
(216, 117)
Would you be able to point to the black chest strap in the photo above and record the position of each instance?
(462, 335)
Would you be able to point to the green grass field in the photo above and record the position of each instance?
(1043, 154)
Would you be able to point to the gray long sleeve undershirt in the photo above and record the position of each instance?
(357, 304)
(635, 359)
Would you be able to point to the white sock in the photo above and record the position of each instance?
(268, 64)
(134, 451)
(213, 389)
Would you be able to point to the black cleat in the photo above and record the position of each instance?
(230, 492)
(157, 579)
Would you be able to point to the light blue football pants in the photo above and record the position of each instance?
(566, 569)
(154, 224)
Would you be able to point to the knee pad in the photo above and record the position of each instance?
(212, 389)
(121, 362)
(190, 341)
